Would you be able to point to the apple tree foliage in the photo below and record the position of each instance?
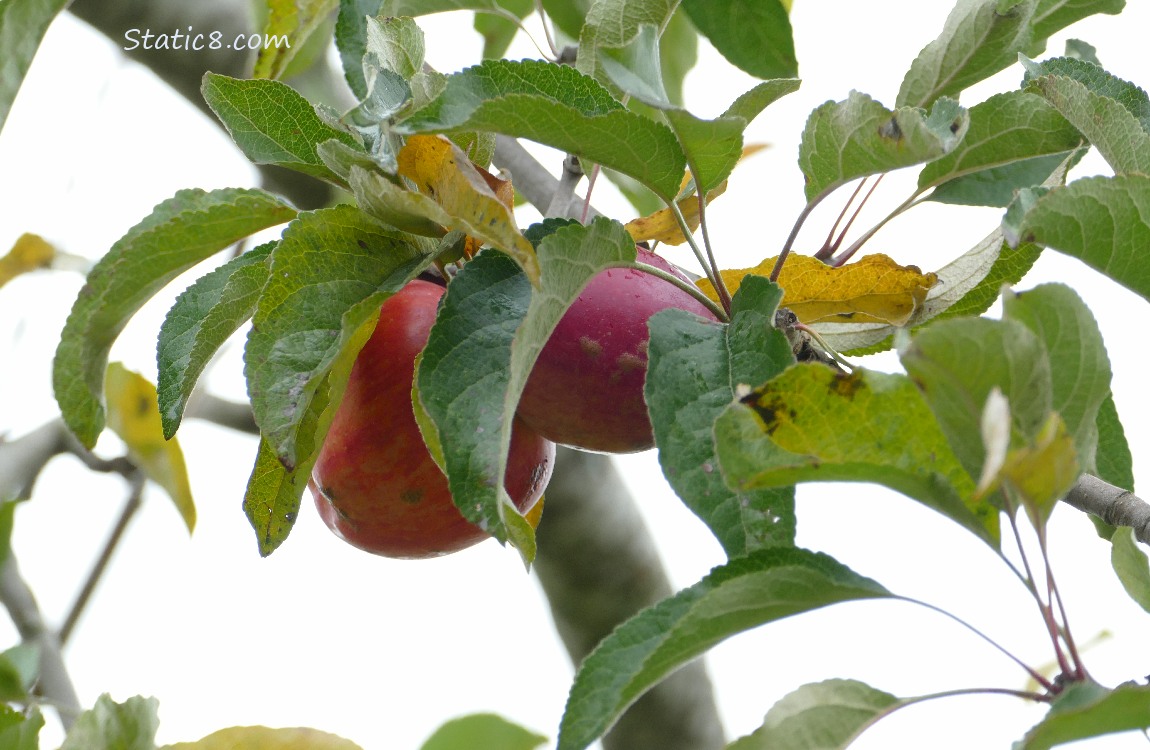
(991, 423)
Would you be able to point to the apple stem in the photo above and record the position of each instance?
(707, 261)
(686, 286)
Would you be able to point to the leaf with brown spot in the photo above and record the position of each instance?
(874, 289)
(134, 415)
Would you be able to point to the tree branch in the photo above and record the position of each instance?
(1114, 505)
(184, 71)
(54, 684)
(598, 566)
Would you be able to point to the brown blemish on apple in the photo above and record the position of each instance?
(590, 347)
(411, 496)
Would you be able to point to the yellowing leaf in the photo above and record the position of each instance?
(134, 415)
(872, 290)
(477, 204)
(1042, 473)
(266, 738)
(661, 226)
(30, 252)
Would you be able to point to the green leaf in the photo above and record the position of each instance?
(22, 27)
(482, 732)
(1131, 565)
(498, 29)
(693, 368)
(200, 321)
(754, 35)
(567, 15)
(765, 586)
(557, 106)
(956, 363)
(1006, 133)
(395, 45)
(1099, 220)
(1079, 365)
(180, 232)
(488, 333)
(351, 40)
(1114, 462)
(712, 147)
(1096, 79)
(813, 424)
(130, 725)
(1051, 16)
(1118, 134)
(611, 26)
(1088, 710)
(329, 275)
(859, 136)
(980, 38)
(295, 21)
(133, 414)
(826, 715)
(20, 732)
(272, 498)
(19, 670)
(678, 53)
(272, 123)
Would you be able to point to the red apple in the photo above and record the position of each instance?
(586, 389)
(375, 483)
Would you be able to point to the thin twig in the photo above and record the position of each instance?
(131, 506)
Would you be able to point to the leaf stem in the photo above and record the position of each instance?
(1044, 608)
(1034, 674)
(802, 218)
(854, 247)
(829, 244)
(720, 283)
(905, 702)
(708, 263)
(1056, 600)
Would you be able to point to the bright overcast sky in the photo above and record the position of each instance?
(383, 651)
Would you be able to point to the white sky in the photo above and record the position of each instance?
(382, 651)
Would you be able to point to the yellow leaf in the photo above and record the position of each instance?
(872, 290)
(30, 252)
(1045, 471)
(134, 415)
(661, 225)
(266, 738)
(477, 203)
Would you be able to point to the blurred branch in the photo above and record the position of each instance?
(598, 565)
(533, 180)
(54, 684)
(184, 70)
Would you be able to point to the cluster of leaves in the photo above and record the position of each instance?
(133, 724)
(737, 421)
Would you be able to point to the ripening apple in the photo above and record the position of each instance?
(586, 389)
(375, 484)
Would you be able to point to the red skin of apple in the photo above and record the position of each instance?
(586, 389)
(375, 484)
